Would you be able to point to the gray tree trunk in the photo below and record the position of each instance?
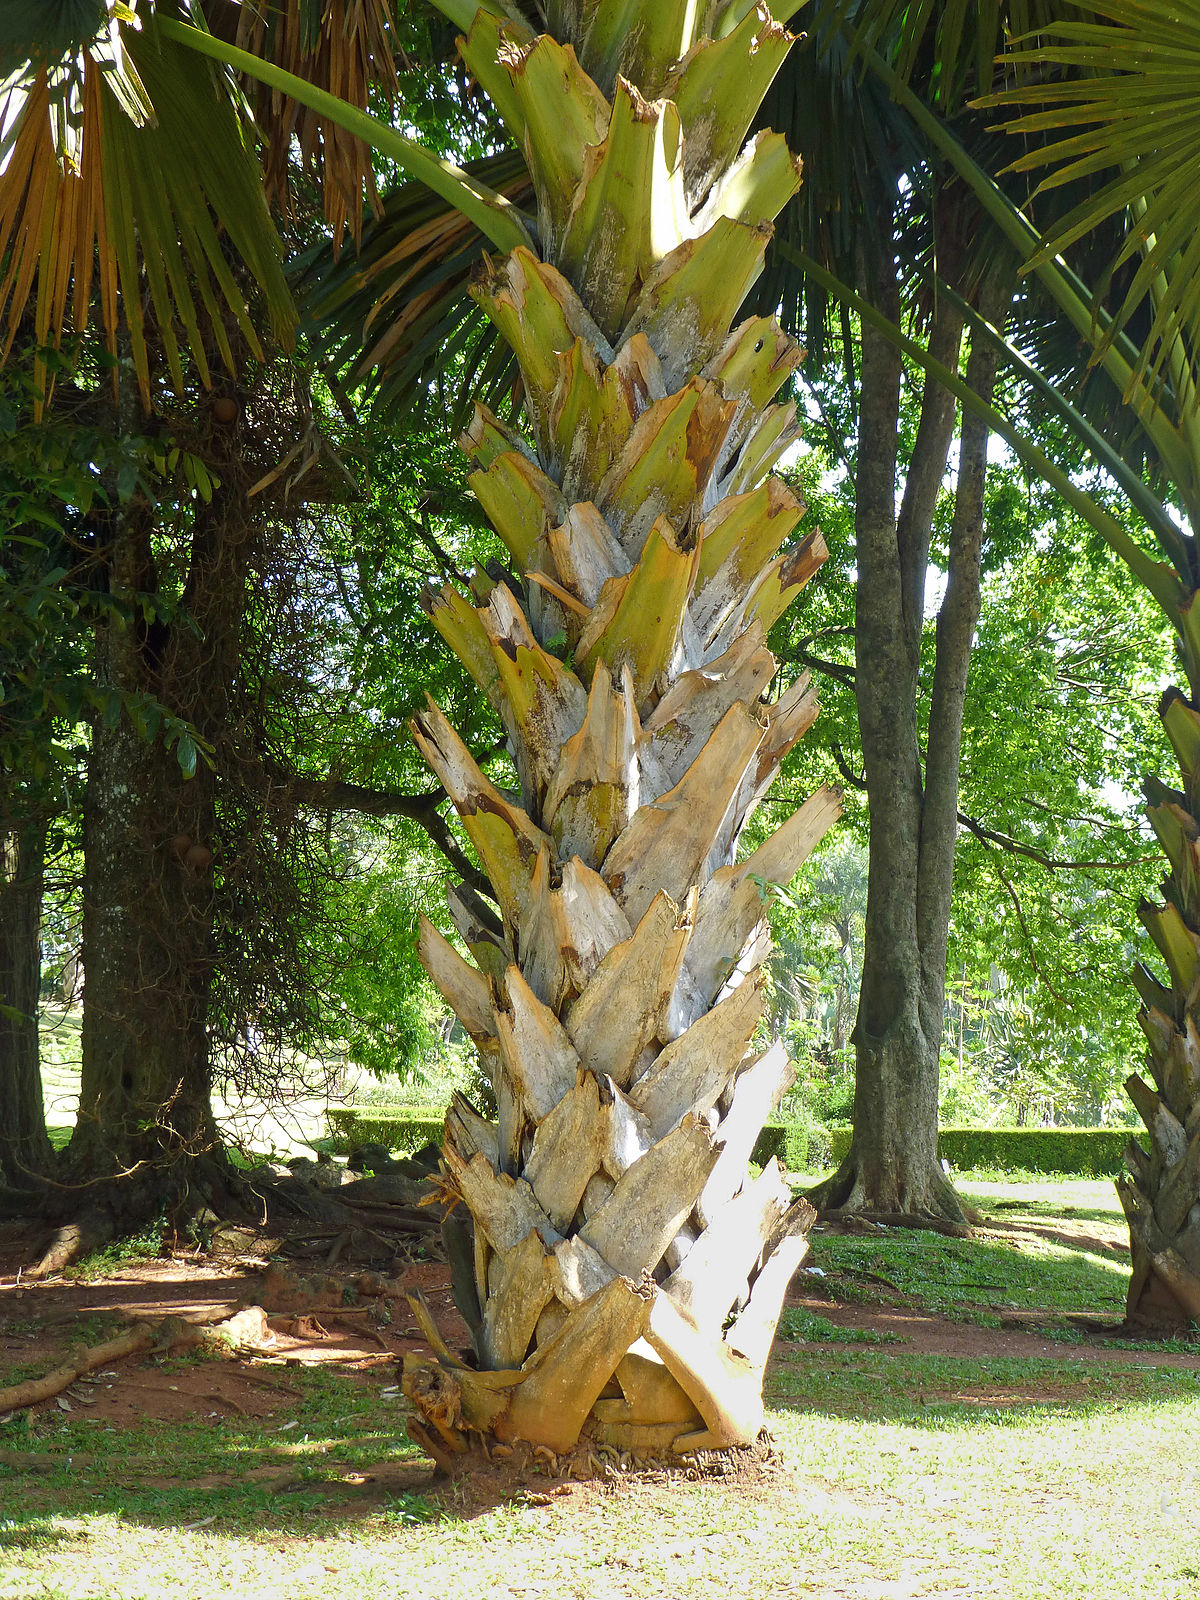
(892, 1165)
(149, 832)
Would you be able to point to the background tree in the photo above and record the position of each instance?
(1134, 55)
(1051, 857)
(54, 474)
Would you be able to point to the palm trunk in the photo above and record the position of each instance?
(626, 1274)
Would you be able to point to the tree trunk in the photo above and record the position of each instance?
(144, 1095)
(25, 1150)
(892, 1165)
(626, 1274)
(149, 830)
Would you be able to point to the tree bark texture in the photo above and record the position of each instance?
(25, 1150)
(148, 948)
(892, 1164)
(624, 1273)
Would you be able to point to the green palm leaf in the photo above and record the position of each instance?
(1129, 85)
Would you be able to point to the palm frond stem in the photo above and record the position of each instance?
(492, 213)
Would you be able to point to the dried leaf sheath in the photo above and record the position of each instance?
(616, 1228)
(1160, 1190)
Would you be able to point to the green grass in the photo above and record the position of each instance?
(962, 1278)
(811, 1328)
(907, 1474)
(59, 1049)
(981, 1279)
(1034, 1195)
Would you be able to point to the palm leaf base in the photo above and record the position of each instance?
(590, 1361)
(1160, 1191)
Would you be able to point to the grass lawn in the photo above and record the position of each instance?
(1055, 1471)
(968, 1498)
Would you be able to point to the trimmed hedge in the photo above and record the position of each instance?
(1080, 1152)
(400, 1129)
(799, 1146)
(788, 1141)
(1077, 1152)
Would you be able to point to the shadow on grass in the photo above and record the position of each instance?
(954, 1393)
(342, 1459)
(223, 1479)
(955, 1277)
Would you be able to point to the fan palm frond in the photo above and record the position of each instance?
(396, 318)
(1124, 90)
(955, 41)
(141, 182)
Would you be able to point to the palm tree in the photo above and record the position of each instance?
(616, 997)
(392, 312)
(626, 1272)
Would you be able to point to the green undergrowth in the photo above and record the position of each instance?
(400, 1129)
(810, 1327)
(1083, 1152)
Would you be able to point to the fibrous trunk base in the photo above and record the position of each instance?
(593, 1457)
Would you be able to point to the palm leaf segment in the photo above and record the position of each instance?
(615, 998)
(347, 48)
(1123, 83)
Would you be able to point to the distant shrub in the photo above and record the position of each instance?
(794, 1144)
(398, 1128)
(1079, 1152)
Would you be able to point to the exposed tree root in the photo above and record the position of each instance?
(592, 1459)
(899, 1219)
(241, 1331)
(34, 1390)
(91, 1232)
(926, 1195)
(369, 1220)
